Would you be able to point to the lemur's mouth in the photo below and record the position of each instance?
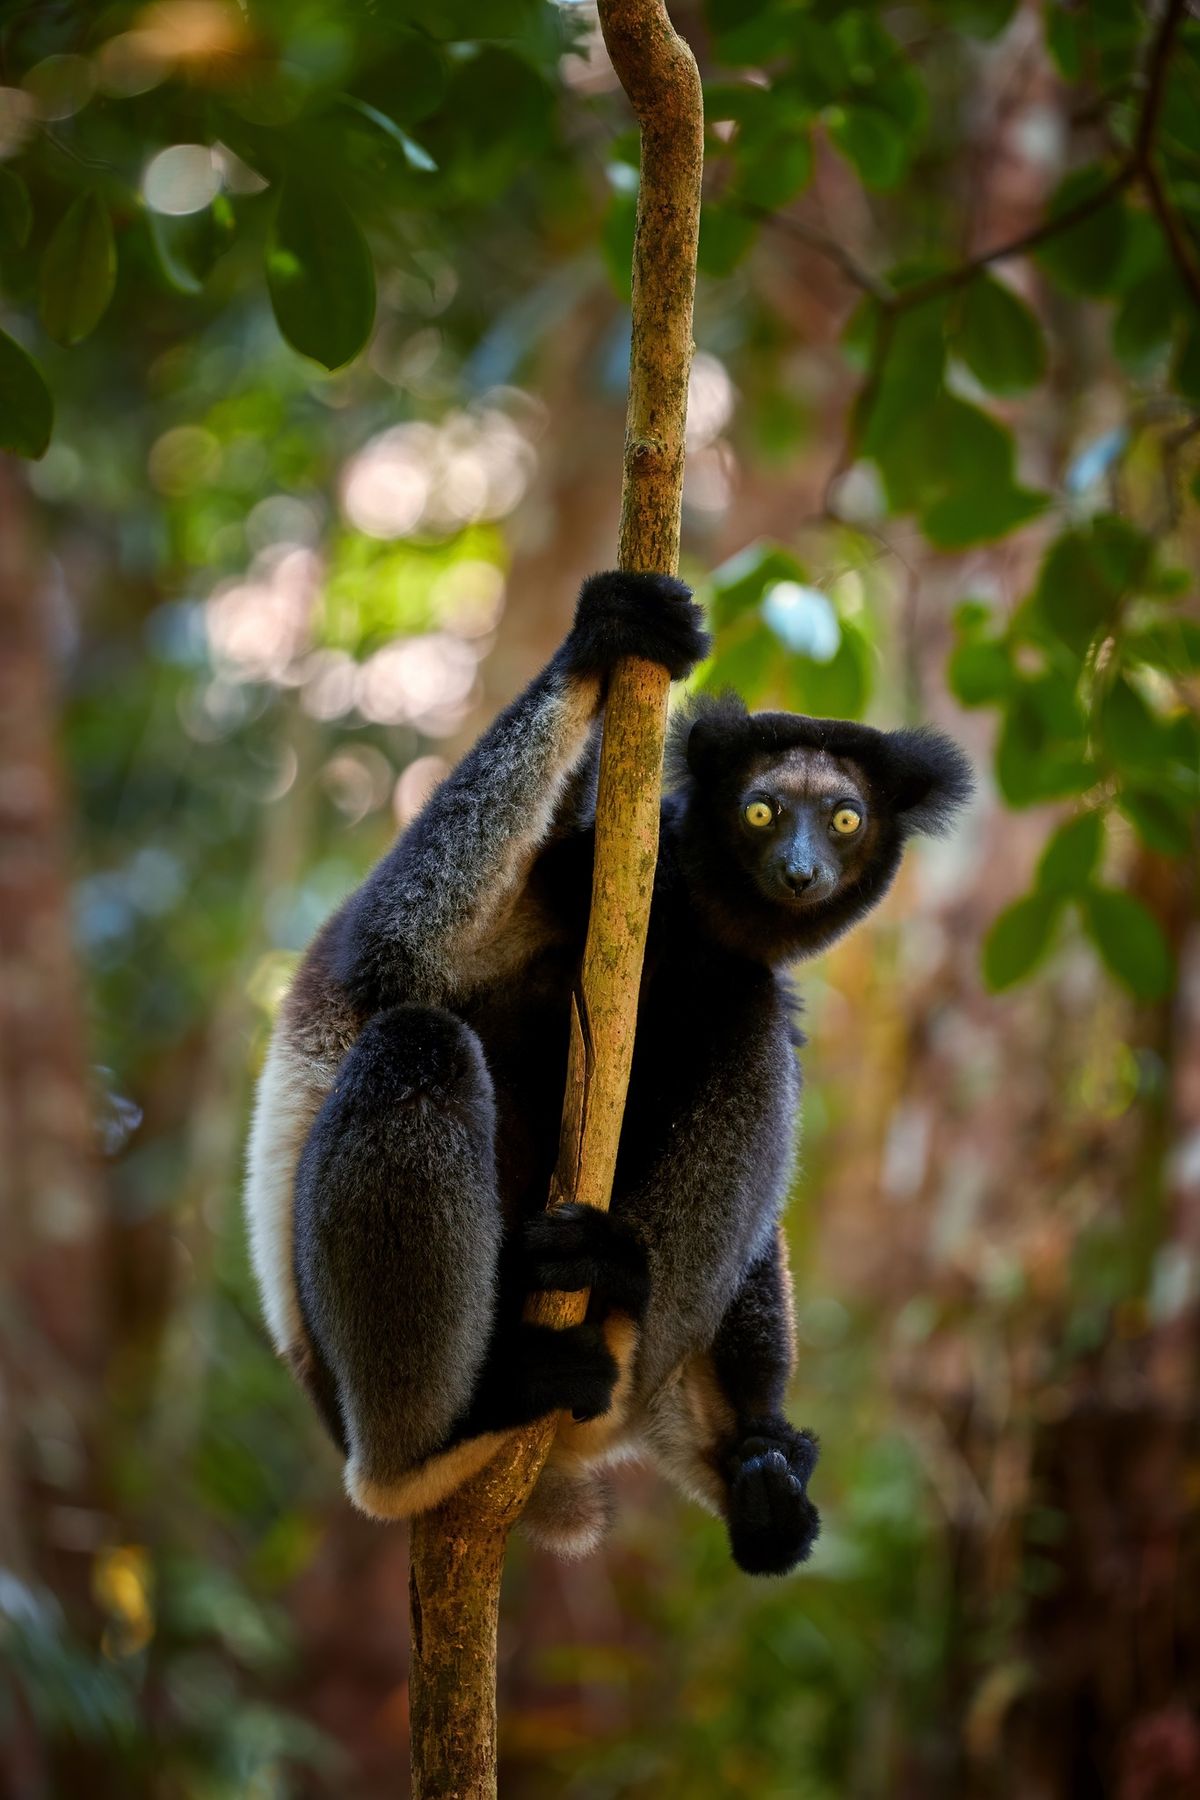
(784, 891)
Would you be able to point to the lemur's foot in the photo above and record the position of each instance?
(571, 1370)
(572, 1247)
(773, 1525)
(622, 614)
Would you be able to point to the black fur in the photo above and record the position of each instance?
(651, 616)
(773, 1525)
(418, 1224)
(574, 1247)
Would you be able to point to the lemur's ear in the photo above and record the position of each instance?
(926, 778)
(704, 736)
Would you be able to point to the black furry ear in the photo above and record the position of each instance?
(926, 778)
(702, 736)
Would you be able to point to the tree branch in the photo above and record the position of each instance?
(458, 1550)
(1138, 167)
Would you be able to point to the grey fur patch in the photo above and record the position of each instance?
(570, 1511)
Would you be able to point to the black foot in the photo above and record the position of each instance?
(540, 1371)
(573, 1247)
(773, 1525)
(622, 614)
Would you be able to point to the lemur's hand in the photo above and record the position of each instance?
(773, 1524)
(572, 1247)
(651, 616)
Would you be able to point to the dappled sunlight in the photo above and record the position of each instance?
(472, 466)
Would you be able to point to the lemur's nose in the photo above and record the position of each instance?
(800, 878)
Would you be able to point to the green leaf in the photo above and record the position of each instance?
(999, 338)
(749, 30)
(616, 241)
(1173, 646)
(981, 672)
(1145, 319)
(1086, 258)
(1185, 370)
(16, 209)
(320, 276)
(414, 154)
(1123, 554)
(1129, 940)
(1062, 41)
(78, 272)
(979, 515)
(26, 409)
(410, 84)
(942, 457)
(747, 660)
(1042, 752)
(1129, 731)
(1071, 857)
(1162, 821)
(1019, 939)
(1181, 743)
(739, 584)
(773, 171)
(872, 143)
(186, 248)
(981, 18)
(837, 689)
(1078, 585)
(739, 101)
(725, 236)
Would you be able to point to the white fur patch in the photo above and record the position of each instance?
(290, 1091)
(682, 1424)
(423, 1487)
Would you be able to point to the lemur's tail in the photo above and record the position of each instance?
(570, 1510)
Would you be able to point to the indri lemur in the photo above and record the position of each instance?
(408, 1114)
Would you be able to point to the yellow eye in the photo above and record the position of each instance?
(758, 814)
(846, 820)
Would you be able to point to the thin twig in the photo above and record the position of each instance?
(951, 280)
(1182, 250)
(1138, 167)
(814, 238)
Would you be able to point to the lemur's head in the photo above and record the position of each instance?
(794, 827)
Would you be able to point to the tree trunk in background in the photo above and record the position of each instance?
(50, 1201)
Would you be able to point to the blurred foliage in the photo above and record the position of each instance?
(282, 286)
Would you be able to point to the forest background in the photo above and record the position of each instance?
(313, 337)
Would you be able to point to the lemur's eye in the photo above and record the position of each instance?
(846, 820)
(758, 813)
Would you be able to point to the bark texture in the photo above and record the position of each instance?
(458, 1550)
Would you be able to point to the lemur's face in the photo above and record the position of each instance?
(813, 815)
(804, 826)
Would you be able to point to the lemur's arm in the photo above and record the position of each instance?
(447, 881)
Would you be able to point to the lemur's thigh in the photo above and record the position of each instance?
(397, 1243)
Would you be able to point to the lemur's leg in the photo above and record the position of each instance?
(764, 1461)
(444, 886)
(398, 1251)
(718, 1430)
